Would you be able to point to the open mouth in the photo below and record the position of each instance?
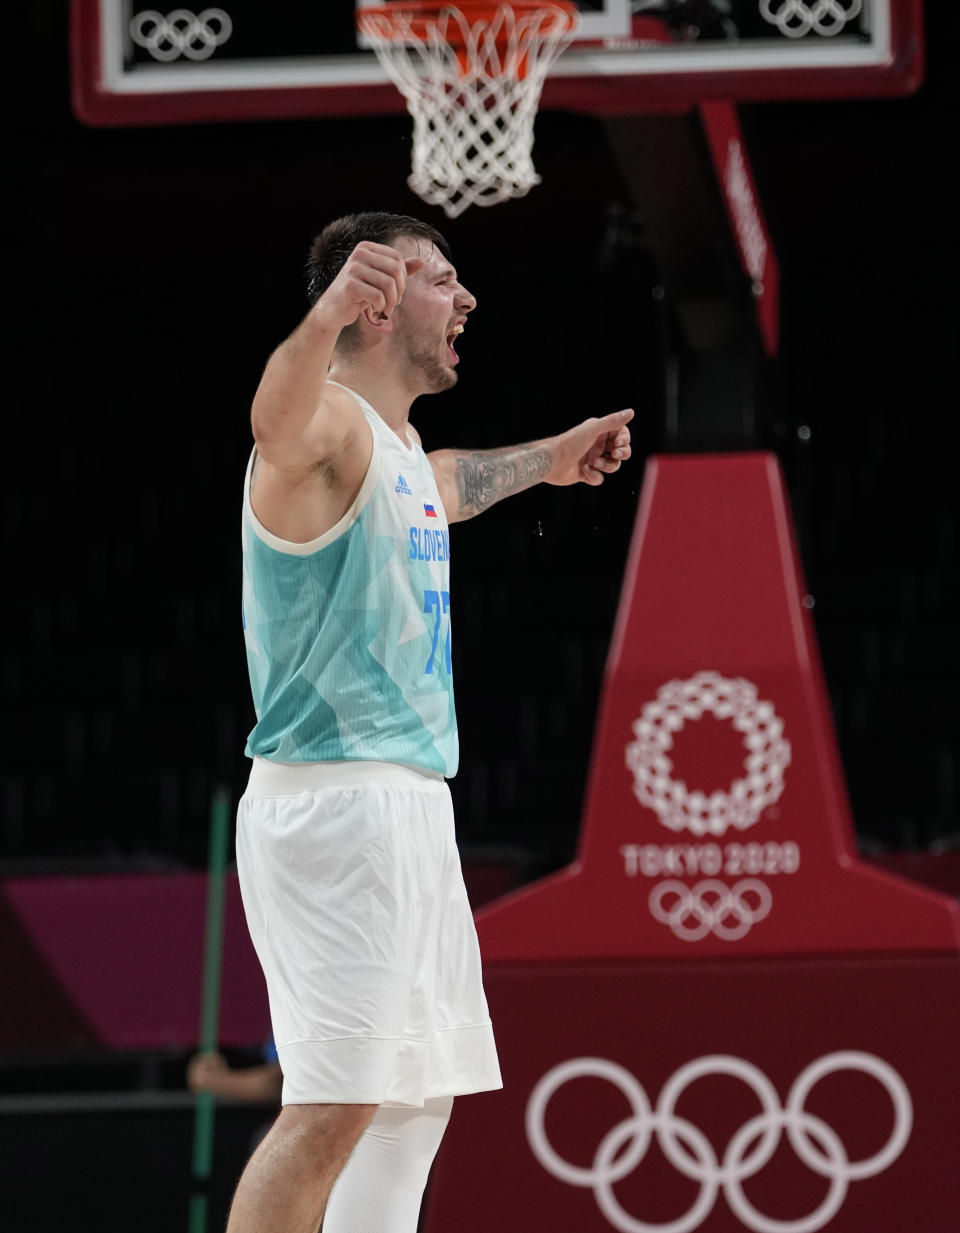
(452, 336)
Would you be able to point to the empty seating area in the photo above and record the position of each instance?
(126, 679)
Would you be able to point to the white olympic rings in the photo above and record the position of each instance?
(795, 18)
(181, 33)
(691, 1153)
(711, 906)
(768, 754)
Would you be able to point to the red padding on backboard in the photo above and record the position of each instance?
(716, 820)
(650, 1082)
(751, 236)
(761, 1097)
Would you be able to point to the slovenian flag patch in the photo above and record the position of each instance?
(429, 510)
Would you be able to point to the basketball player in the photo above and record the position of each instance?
(345, 841)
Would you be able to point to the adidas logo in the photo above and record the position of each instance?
(403, 486)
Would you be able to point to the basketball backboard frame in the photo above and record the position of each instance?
(620, 65)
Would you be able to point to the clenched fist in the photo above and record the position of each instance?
(373, 277)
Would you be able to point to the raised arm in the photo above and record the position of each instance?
(293, 424)
(470, 481)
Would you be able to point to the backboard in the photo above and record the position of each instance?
(243, 60)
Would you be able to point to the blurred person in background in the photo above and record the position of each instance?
(254, 1085)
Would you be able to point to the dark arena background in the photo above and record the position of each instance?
(154, 264)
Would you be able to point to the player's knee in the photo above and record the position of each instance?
(322, 1134)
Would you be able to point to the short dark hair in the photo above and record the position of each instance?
(331, 248)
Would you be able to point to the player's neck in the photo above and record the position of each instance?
(382, 390)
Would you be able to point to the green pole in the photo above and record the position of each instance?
(210, 1007)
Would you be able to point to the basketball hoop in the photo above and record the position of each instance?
(472, 74)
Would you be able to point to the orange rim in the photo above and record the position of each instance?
(423, 12)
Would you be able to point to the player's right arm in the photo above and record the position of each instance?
(295, 424)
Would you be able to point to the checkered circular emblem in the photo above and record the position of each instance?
(767, 754)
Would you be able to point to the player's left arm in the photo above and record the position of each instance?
(470, 481)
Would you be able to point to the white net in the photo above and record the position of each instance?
(472, 81)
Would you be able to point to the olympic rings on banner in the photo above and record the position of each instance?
(795, 18)
(692, 1154)
(768, 754)
(181, 33)
(711, 907)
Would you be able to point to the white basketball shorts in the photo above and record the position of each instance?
(355, 902)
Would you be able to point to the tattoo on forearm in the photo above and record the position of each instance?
(486, 476)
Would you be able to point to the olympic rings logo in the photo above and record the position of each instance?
(768, 754)
(728, 912)
(691, 1153)
(181, 33)
(795, 18)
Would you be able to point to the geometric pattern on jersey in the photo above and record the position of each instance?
(348, 636)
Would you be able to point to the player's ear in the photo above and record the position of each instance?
(377, 319)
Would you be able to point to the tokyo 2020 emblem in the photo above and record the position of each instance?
(711, 906)
(767, 755)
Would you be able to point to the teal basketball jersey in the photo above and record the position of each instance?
(348, 636)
